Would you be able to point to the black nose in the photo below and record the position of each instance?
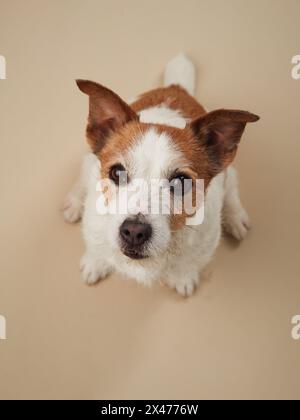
(135, 234)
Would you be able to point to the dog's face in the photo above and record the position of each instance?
(137, 154)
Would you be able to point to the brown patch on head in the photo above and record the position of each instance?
(193, 151)
(119, 142)
(209, 144)
(196, 165)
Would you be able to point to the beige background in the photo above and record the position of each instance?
(119, 340)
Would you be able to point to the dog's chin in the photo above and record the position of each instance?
(134, 255)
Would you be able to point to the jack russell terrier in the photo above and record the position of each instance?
(164, 134)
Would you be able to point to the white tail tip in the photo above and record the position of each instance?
(181, 71)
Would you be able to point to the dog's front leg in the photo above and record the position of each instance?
(236, 220)
(94, 267)
(184, 274)
(186, 284)
(74, 201)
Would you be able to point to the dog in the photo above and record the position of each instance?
(163, 134)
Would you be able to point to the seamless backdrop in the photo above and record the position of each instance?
(119, 340)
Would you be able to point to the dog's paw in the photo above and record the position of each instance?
(238, 224)
(186, 289)
(72, 209)
(185, 286)
(92, 271)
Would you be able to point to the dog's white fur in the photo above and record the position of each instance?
(162, 115)
(176, 259)
(181, 71)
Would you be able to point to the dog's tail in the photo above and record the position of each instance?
(181, 71)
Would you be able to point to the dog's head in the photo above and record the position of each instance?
(130, 150)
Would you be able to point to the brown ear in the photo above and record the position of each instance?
(107, 112)
(220, 132)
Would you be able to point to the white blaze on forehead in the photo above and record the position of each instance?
(162, 115)
(153, 155)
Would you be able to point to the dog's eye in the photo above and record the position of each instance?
(181, 184)
(118, 174)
